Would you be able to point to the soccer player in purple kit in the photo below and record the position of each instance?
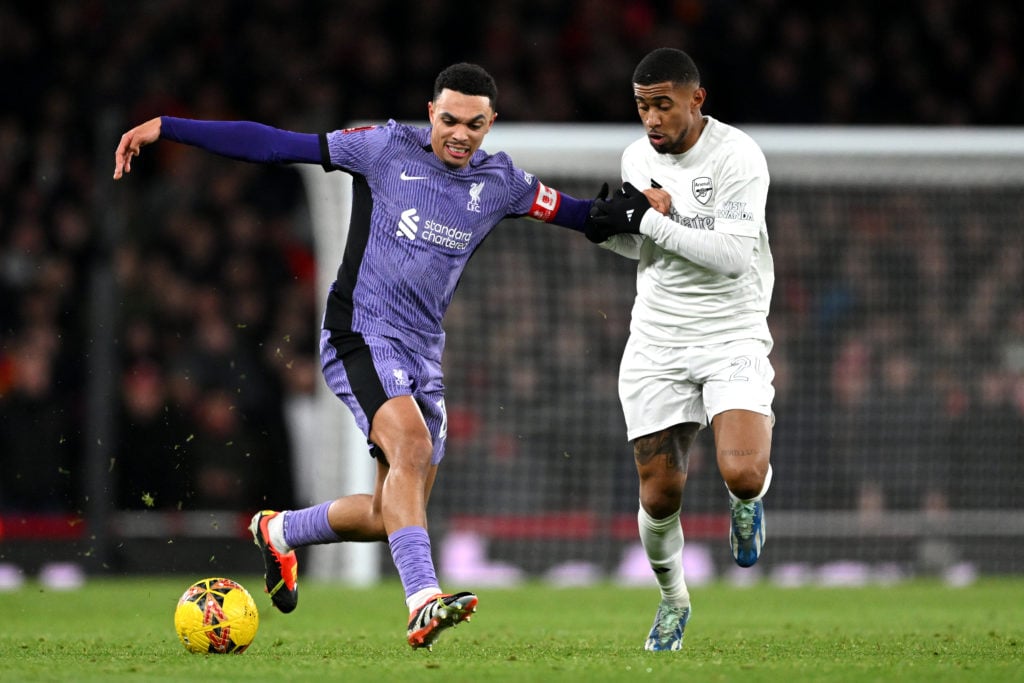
(423, 201)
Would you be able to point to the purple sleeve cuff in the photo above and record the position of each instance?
(243, 140)
(572, 213)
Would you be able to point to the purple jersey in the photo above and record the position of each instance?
(415, 223)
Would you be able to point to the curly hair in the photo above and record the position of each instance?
(468, 79)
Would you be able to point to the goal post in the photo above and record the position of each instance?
(899, 344)
(338, 462)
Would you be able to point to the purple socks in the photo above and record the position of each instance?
(410, 546)
(308, 526)
(410, 549)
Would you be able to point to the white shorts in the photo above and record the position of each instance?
(662, 386)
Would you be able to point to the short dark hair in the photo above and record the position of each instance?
(468, 79)
(666, 64)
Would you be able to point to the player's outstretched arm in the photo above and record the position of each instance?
(132, 142)
(244, 140)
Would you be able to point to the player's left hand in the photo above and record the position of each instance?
(620, 214)
(659, 199)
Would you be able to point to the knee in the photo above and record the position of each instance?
(410, 455)
(663, 496)
(745, 478)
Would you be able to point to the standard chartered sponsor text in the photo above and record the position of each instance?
(445, 236)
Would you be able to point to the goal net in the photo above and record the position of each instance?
(898, 315)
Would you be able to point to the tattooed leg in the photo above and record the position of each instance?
(661, 462)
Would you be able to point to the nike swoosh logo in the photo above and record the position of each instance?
(406, 176)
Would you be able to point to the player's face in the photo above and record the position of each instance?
(459, 123)
(671, 114)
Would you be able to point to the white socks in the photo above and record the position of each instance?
(275, 528)
(663, 542)
(421, 596)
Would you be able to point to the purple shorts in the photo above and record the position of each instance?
(364, 371)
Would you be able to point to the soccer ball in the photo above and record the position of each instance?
(217, 616)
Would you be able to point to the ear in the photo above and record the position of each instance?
(698, 98)
(430, 111)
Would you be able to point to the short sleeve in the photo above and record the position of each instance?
(741, 191)
(523, 189)
(358, 149)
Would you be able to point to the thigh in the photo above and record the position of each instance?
(361, 371)
(400, 431)
(656, 389)
(743, 442)
(408, 379)
(736, 376)
(666, 451)
(742, 434)
(366, 372)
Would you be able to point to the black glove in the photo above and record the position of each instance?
(620, 214)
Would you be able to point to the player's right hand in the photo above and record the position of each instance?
(132, 142)
(620, 214)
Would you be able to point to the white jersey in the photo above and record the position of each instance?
(720, 184)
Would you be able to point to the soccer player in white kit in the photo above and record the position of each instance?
(698, 347)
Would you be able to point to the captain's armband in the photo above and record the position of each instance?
(545, 203)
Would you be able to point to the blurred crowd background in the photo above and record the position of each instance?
(899, 318)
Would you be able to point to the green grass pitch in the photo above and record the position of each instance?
(122, 630)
